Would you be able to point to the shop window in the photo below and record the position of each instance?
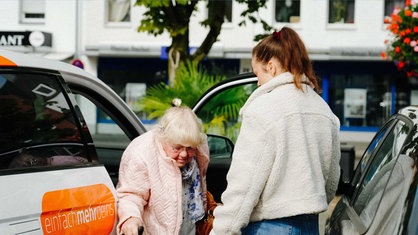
(32, 11)
(222, 5)
(130, 77)
(361, 100)
(390, 5)
(287, 11)
(364, 95)
(118, 11)
(341, 11)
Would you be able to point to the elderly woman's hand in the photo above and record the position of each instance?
(131, 226)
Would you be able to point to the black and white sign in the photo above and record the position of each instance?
(25, 38)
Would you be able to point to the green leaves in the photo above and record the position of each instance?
(403, 49)
(190, 84)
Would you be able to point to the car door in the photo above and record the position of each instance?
(51, 182)
(219, 110)
(122, 124)
(374, 202)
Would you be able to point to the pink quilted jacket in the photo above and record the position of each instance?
(150, 185)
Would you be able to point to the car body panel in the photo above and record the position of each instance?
(381, 197)
(57, 201)
(41, 193)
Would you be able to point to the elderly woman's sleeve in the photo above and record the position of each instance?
(133, 186)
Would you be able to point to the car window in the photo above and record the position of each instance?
(105, 133)
(108, 137)
(220, 115)
(365, 160)
(373, 184)
(38, 126)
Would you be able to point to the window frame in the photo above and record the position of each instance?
(27, 5)
(287, 22)
(387, 19)
(121, 23)
(345, 23)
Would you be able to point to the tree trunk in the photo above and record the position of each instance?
(215, 21)
(178, 53)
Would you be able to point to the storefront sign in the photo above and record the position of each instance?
(25, 38)
(347, 51)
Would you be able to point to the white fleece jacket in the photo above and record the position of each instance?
(286, 158)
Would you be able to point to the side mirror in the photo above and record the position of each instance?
(347, 168)
(343, 186)
(221, 149)
(220, 146)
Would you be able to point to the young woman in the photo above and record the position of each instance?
(285, 165)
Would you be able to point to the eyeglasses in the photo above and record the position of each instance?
(180, 148)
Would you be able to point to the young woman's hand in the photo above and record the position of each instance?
(131, 226)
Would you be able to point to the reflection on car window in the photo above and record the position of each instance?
(375, 180)
(105, 134)
(369, 152)
(220, 115)
(34, 113)
(219, 148)
(109, 139)
(48, 156)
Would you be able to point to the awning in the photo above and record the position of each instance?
(44, 52)
(59, 56)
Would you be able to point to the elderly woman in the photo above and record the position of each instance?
(162, 177)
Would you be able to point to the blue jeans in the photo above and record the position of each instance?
(295, 225)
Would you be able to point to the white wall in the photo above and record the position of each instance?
(60, 21)
(368, 31)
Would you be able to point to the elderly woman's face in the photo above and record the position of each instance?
(180, 154)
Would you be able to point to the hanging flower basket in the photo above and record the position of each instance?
(403, 48)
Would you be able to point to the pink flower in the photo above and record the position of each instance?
(416, 49)
(413, 43)
(415, 14)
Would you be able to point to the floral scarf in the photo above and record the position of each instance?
(191, 178)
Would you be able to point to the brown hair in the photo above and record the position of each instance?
(287, 47)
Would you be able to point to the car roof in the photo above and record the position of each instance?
(16, 59)
(411, 112)
(243, 78)
(77, 81)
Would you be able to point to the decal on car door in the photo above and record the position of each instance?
(83, 210)
(6, 62)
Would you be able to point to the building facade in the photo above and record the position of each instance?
(344, 38)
